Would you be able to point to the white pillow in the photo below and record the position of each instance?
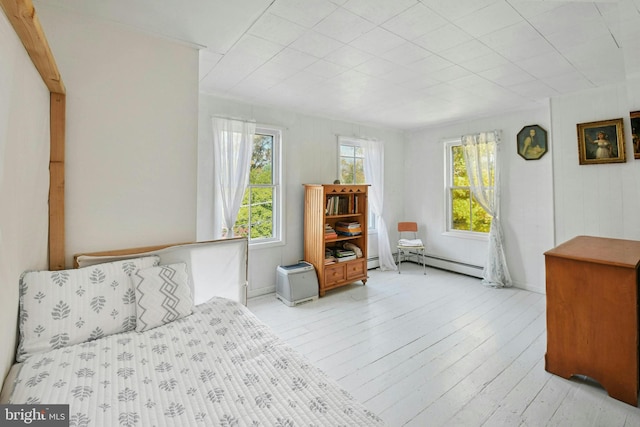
(162, 295)
(61, 308)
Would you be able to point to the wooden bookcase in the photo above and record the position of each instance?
(328, 204)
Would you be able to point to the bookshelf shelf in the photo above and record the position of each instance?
(324, 207)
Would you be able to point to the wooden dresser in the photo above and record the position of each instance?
(592, 313)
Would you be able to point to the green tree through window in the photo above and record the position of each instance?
(466, 213)
(257, 216)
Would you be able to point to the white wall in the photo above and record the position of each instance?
(310, 156)
(527, 196)
(599, 200)
(131, 142)
(24, 179)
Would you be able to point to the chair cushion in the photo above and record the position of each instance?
(410, 242)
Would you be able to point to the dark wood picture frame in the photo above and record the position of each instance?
(601, 142)
(635, 133)
(532, 142)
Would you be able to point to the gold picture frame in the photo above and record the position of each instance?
(601, 142)
(635, 133)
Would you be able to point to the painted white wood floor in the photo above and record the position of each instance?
(441, 349)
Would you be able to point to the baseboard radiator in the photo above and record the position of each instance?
(445, 264)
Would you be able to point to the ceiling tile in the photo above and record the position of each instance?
(569, 82)
(491, 18)
(325, 69)
(602, 51)
(377, 41)
(420, 82)
(230, 70)
(520, 32)
(465, 51)
(547, 65)
(507, 75)
(406, 53)
(526, 50)
(277, 71)
(378, 11)
(207, 61)
(415, 22)
(535, 89)
(294, 58)
(399, 75)
(446, 92)
(375, 67)
(578, 35)
(451, 73)
(316, 44)
(443, 38)
(456, 9)
(303, 12)
(575, 13)
(256, 46)
(276, 29)
(484, 62)
(348, 56)
(343, 25)
(431, 64)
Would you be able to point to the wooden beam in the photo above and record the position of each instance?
(56, 182)
(26, 24)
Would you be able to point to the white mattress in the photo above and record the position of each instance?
(218, 367)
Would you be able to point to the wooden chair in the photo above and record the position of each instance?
(413, 244)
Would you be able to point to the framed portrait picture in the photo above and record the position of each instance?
(635, 133)
(601, 142)
(532, 142)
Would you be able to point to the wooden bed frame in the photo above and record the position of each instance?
(25, 22)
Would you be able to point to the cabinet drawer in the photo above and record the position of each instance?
(334, 274)
(356, 268)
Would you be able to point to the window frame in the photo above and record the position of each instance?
(277, 185)
(448, 199)
(354, 142)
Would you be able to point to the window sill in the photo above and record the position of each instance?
(469, 235)
(265, 245)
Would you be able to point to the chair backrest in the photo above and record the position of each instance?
(408, 226)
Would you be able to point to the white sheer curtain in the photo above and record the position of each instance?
(481, 157)
(374, 175)
(232, 148)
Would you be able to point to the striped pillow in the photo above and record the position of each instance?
(162, 295)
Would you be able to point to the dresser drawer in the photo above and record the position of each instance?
(356, 269)
(334, 274)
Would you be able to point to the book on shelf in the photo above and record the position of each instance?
(342, 253)
(329, 232)
(348, 228)
(337, 205)
(346, 258)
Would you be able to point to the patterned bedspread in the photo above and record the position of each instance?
(218, 367)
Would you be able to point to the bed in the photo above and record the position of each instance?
(164, 338)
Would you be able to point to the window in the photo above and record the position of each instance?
(259, 215)
(351, 167)
(351, 163)
(464, 213)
